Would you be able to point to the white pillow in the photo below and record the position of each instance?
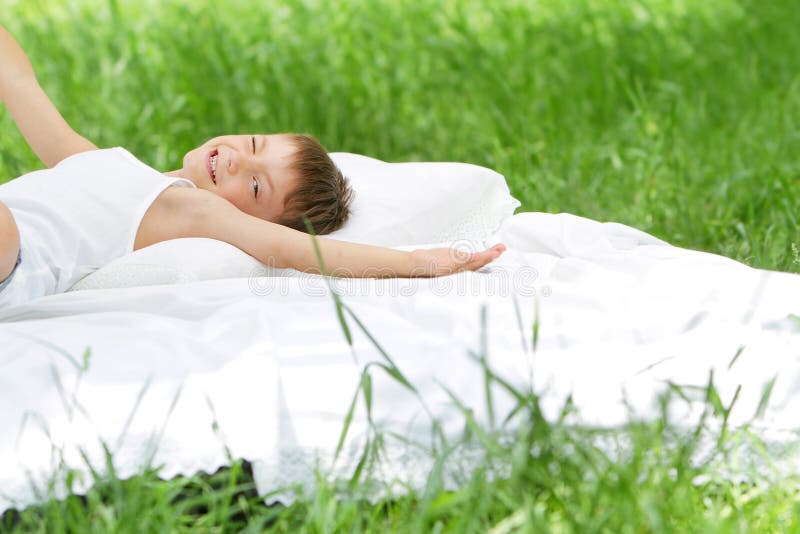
(178, 261)
(407, 203)
(395, 204)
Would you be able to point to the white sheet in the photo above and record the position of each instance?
(619, 311)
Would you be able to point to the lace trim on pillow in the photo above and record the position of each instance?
(133, 275)
(479, 223)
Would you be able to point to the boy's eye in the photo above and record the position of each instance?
(253, 139)
(255, 186)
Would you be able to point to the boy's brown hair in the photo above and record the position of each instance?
(322, 194)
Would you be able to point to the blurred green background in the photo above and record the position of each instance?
(677, 117)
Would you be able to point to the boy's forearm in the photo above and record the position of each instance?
(340, 258)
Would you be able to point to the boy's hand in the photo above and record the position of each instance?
(444, 261)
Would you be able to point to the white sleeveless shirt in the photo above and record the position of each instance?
(76, 217)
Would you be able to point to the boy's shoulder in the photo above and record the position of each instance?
(172, 215)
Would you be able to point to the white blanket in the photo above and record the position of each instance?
(260, 366)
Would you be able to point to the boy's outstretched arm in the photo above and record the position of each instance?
(43, 127)
(278, 246)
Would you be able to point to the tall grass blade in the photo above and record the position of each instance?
(348, 419)
(766, 394)
(483, 359)
(392, 367)
(324, 272)
(139, 396)
(518, 315)
(535, 336)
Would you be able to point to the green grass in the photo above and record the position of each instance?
(676, 117)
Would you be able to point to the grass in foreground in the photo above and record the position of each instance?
(535, 475)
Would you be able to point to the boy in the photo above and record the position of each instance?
(250, 191)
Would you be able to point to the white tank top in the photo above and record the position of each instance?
(77, 217)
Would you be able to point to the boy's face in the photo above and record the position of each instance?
(256, 180)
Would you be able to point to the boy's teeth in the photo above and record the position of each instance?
(213, 161)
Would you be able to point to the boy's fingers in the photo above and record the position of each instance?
(473, 261)
(490, 255)
(479, 259)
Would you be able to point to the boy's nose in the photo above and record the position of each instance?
(235, 162)
(233, 167)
